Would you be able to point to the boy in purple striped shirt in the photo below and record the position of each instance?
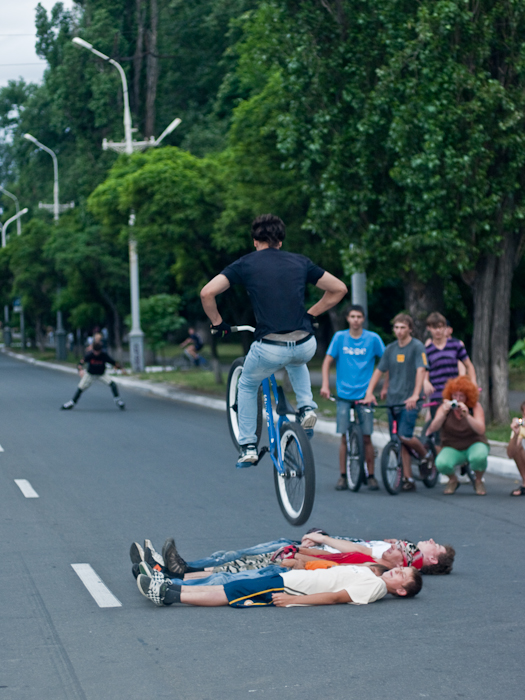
(443, 355)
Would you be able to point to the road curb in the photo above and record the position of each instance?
(496, 465)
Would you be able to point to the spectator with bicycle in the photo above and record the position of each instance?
(515, 449)
(354, 352)
(192, 345)
(284, 338)
(405, 362)
(461, 420)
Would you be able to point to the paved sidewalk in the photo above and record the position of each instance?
(498, 463)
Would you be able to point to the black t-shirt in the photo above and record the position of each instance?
(276, 282)
(96, 364)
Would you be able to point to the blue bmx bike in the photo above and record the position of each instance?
(288, 444)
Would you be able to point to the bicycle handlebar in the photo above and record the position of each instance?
(236, 329)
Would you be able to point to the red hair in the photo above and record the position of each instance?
(465, 386)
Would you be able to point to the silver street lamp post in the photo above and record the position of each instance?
(15, 199)
(136, 336)
(7, 330)
(56, 208)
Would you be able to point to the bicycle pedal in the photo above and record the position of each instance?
(262, 452)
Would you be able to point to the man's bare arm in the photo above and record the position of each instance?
(216, 286)
(325, 373)
(334, 291)
(471, 371)
(341, 545)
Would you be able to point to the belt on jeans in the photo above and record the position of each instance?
(287, 343)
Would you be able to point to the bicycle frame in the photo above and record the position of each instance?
(268, 386)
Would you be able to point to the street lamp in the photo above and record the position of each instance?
(15, 199)
(7, 330)
(136, 336)
(56, 207)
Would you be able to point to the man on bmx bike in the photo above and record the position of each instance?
(276, 282)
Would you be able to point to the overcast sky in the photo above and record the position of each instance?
(17, 40)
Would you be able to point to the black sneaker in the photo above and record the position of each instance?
(307, 417)
(135, 570)
(372, 484)
(172, 559)
(408, 485)
(248, 456)
(342, 484)
(120, 404)
(136, 553)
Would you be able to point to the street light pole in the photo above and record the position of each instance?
(136, 335)
(7, 330)
(60, 333)
(15, 199)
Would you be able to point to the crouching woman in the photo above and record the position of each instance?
(461, 421)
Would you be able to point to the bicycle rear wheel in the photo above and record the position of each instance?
(391, 467)
(296, 488)
(431, 480)
(355, 458)
(231, 403)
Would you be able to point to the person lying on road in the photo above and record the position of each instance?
(358, 585)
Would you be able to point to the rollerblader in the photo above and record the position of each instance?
(92, 367)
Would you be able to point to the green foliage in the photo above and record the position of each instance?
(159, 317)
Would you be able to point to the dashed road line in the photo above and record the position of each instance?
(26, 488)
(104, 598)
(1, 448)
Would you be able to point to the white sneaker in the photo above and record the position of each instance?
(248, 455)
(307, 417)
(68, 406)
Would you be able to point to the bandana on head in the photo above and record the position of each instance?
(412, 556)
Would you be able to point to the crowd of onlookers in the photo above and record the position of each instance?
(440, 372)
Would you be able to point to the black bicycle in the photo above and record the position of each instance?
(391, 460)
(356, 470)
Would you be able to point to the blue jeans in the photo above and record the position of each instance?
(260, 363)
(221, 579)
(222, 557)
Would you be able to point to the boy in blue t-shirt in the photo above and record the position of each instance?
(355, 352)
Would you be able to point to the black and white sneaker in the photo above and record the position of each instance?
(150, 553)
(247, 457)
(173, 561)
(153, 588)
(67, 406)
(136, 553)
(120, 404)
(307, 417)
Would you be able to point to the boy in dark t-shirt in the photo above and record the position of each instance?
(276, 282)
(95, 363)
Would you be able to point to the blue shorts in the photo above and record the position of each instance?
(249, 592)
(406, 421)
(365, 416)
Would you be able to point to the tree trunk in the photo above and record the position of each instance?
(140, 14)
(117, 336)
(39, 335)
(483, 293)
(152, 69)
(499, 339)
(421, 299)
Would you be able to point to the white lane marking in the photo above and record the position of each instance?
(26, 488)
(1, 448)
(104, 598)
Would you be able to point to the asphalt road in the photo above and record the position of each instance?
(105, 478)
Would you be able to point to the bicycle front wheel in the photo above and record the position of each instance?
(355, 458)
(232, 412)
(391, 467)
(295, 489)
